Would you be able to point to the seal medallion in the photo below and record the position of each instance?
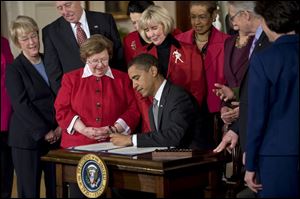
(92, 176)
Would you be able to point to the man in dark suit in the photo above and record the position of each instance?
(238, 129)
(179, 120)
(60, 41)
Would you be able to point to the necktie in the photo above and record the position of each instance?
(80, 34)
(155, 111)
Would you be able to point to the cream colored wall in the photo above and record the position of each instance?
(44, 12)
(126, 24)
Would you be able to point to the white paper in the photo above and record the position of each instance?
(111, 148)
(103, 146)
(133, 150)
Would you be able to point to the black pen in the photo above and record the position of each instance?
(110, 130)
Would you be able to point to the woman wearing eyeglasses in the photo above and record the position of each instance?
(95, 100)
(33, 130)
(237, 51)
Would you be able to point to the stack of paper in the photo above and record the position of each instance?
(111, 148)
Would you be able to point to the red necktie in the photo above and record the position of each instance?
(80, 34)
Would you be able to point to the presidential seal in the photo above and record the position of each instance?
(92, 176)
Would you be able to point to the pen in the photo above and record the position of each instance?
(110, 130)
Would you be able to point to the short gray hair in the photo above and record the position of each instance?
(244, 5)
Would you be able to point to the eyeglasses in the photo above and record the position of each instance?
(199, 17)
(236, 14)
(97, 62)
(26, 38)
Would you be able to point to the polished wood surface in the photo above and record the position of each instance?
(163, 176)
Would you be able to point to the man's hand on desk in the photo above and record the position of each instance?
(120, 139)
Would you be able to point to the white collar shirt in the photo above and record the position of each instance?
(84, 25)
(87, 72)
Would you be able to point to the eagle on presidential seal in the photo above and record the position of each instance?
(92, 177)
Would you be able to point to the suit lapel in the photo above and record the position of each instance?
(32, 71)
(94, 27)
(228, 53)
(67, 33)
(261, 43)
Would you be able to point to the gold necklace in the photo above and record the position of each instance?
(199, 40)
(237, 42)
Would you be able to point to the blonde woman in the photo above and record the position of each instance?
(33, 129)
(178, 61)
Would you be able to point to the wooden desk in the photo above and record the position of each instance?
(165, 178)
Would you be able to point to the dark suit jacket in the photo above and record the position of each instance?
(179, 122)
(62, 51)
(273, 118)
(240, 125)
(33, 105)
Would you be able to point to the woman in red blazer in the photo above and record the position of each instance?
(210, 42)
(133, 41)
(179, 62)
(210, 45)
(95, 99)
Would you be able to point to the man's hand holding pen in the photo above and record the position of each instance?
(120, 139)
(117, 138)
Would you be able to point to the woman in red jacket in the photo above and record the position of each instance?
(133, 40)
(179, 61)
(210, 45)
(94, 99)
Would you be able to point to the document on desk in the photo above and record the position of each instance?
(111, 148)
(98, 147)
(133, 150)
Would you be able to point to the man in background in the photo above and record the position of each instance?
(62, 39)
